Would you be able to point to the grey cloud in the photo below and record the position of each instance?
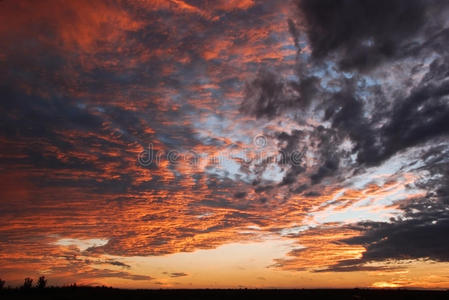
(178, 274)
(364, 33)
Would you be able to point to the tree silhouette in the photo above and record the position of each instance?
(27, 283)
(41, 282)
(2, 284)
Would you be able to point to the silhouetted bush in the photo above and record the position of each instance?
(27, 283)
(41, 282)
(2, 284)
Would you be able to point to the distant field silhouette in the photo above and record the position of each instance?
(113, 293)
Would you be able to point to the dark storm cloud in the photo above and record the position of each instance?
(420, 237)
(290, 144)
(269, 95)
(350, 42)
(364, 33)
(326, 141)
(383, 130)
(419, 233)
(413, 120)
(265, 95)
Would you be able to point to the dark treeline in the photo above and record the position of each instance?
(27, 283)
(83, 292)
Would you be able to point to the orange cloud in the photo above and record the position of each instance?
(320, 248)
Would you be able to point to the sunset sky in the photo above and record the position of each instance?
(225, 143)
